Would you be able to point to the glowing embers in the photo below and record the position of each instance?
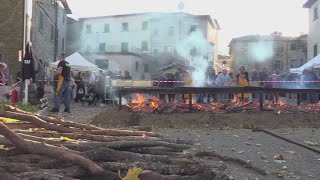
(151, 104)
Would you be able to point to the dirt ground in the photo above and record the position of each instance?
(231, 135)
(113, 117)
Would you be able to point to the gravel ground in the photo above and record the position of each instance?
(260, 149)
(79, 113)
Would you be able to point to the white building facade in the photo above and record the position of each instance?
(149, 34)
(314, 27)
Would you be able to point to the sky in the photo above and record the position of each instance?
(236, 17)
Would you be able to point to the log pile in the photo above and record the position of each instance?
(41, 147)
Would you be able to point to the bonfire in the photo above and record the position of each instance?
(143, 103)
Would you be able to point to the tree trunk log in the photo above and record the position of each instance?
(22, 125)
(231, 159)
(112, 132)
(49, 151)
(183, 170)
(106, 154)
(53, 120)
(74, 124)
(35, 120)
(155, 151)
(124, 145)
(80, 135)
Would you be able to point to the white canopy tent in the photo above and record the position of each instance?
(313, 63)
(78, 63)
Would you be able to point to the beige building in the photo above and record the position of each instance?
(271, 51)
(314, 27)
(142, 34)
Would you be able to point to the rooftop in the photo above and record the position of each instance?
(214, 22)
(66, 6)
(309, 3)
(264, 38)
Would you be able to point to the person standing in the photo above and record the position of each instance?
(275, 78)
(243, 81)
(63, 87)
(101, 87)
(223, 80)
(170, 84)
(127, 75)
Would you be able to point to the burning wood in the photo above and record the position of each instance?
(153, 105)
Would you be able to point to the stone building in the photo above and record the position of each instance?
(23, 21)
(147, 34)
(11, 33)
(271, 51)
(48, 36)
(314, 28)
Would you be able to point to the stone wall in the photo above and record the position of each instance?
(11, 33)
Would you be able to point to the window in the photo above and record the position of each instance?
(124, 47)
(277, 65)
(146, 68)
(41, 22)
(88, 29)
(278, 48)
(137, 66)
(315, 50)
(63, 16)
(102, 47)
(125, 27)
(193, 28)
(0, 57)
(294, 63)
(156, 32)
(88, 48)
(293, 46)
(62, 47)
(315, 13)
(245, 44)
(52, 33)
(144, 46)
(102, 63)
(155, 52)
(301, 62)
(169, 49)
(171, 31)
(106, 28)
(145, 25)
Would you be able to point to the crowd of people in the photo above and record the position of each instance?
(97, 85)
(263, 78)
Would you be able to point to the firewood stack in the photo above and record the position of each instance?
(41, 147)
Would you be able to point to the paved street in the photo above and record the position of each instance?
(260, 149)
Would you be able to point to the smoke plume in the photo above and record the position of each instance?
(196, 47)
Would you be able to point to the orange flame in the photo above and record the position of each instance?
(280, 103)
(139, 100)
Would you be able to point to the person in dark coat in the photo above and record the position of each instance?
(170, 84)
(162, 84)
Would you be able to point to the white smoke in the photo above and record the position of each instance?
(200, 47)
(261, 50)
